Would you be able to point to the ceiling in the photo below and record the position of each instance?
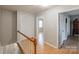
(73, 12)
(28, 8)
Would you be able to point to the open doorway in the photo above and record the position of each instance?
(69, 30)
(40, 30)
(75, 26)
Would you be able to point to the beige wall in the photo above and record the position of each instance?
(25, 23)
(0, 26)
(7, 27)
(52, 23)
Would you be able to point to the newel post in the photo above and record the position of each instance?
(35, 44)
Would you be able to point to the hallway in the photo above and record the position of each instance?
(26, 21)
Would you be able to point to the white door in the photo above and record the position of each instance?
(40, 30)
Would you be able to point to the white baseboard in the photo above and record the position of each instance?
(50, 44)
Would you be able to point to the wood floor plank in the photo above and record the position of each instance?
(50, 50)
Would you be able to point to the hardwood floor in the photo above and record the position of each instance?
(71, 43)
(46, 49)
(50, 50)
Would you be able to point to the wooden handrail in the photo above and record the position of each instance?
(32, 39)
(25, 36)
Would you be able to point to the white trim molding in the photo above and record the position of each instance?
(50, 44)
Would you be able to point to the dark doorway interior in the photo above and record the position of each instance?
(76, 26)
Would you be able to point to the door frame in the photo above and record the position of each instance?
(60, 42)
(37, 18)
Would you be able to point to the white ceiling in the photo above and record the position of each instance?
(73, 12)
(27, 8)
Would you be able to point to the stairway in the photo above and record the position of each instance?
(10, 49)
